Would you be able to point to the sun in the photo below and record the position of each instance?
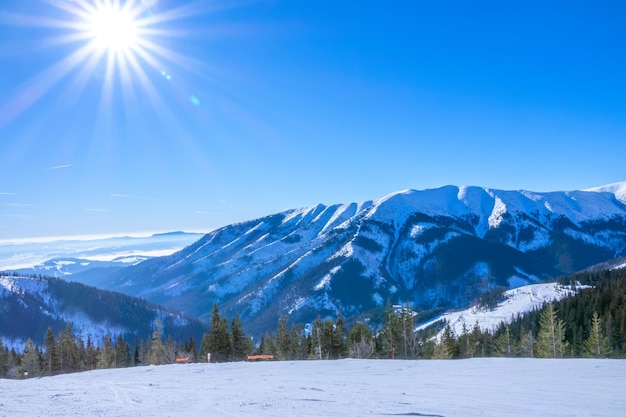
(113, 28)
(123, 48)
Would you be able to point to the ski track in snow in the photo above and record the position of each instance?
(468, 388)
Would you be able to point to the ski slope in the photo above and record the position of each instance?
(517, 301)
(464, 388)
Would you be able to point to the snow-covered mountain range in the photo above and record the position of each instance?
(437, 248)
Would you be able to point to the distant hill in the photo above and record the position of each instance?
(62, 257)
(68, 267)
(29, 305)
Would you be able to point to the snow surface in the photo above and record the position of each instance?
(468, 388)
(517, 301)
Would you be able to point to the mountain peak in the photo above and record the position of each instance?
(618, 189)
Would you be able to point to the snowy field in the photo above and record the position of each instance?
(474, 387)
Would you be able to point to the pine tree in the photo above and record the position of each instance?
(267, 345)
(390, 333)
(482, 342)
(446, 347)
(338, 337)
(562, 344)
(122, 353)
(218, 343)
(451, 342)
(157, 355)
(82, 363)
(4, 360)
(409, 338)
(68, 350)
(50, 357)
(328, 336)
(527, 344)
(504, 343)
(360, 343)
(241, 343)
(190, 348)
(551, 336)
(205, 347)
(170, 350)
(427, 349)
(597, 344)
(316, 338)
(441, 351)
(465, 344)
(283, 339)
(142, 353)
(105, 353)
(298, 347)
(31, 360)
(609, 332)
(91, 355)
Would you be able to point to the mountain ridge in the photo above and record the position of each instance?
(439, 248)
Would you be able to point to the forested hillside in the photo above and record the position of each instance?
(31, 305)
(594, 321)
(591, 323)
(588, 324)
(66, 352)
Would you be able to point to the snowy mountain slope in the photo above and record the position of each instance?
(28, 306)
(519, 300)
(485, 387)
(618, 189)
(437, 248)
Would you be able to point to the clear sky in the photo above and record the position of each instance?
(191, 115)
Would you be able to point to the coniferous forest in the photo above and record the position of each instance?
(590, 324)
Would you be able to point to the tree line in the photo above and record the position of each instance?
(66, 353)
(589, 324)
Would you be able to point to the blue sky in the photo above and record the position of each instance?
(239, 109)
